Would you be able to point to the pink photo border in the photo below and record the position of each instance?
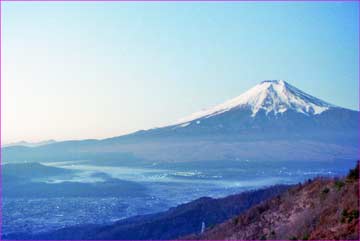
(1, 21)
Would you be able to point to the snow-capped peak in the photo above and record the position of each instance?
(272, 96)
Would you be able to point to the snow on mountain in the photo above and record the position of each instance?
(272, 96)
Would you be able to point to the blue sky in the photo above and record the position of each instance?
(95, 70)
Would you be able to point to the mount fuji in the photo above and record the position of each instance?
(271, 109)
(273, 97)
(272, 121)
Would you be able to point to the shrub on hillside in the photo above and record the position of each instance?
(339, 184)
(325, 190)
(353, 173)
(349, 216)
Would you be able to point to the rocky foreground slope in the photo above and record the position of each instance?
(326, 209)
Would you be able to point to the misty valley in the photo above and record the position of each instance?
(45, 196)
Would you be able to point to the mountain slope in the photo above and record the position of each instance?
(320, 209)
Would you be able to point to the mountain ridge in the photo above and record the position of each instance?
(30, 144)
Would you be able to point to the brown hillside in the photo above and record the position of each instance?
(318, 209)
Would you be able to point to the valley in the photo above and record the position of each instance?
(80, 192)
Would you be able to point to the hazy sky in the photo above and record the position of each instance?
(93, 70)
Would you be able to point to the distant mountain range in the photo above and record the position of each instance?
(272, 121)
(30, 144)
